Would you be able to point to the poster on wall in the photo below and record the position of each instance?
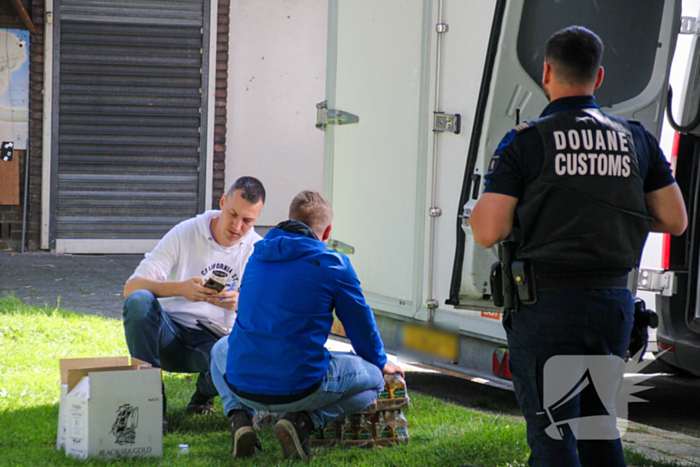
(14, 86)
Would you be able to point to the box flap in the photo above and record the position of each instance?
(75, 375)
(74, 363)
(125, 385)
(140, 363)
(81, 389)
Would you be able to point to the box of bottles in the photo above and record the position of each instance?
(382, 423)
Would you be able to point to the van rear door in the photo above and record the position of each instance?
(639, 45)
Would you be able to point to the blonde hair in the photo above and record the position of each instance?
(311, 208)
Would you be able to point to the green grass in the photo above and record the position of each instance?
(32, 340)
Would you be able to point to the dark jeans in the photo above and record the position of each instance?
(565, 322)
(155, 338)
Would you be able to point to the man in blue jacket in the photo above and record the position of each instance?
(275, 359)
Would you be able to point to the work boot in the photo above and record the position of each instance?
(200, 404)
(293, 433)
(245, 442)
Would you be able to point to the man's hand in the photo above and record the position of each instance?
(194, 290)
(391, 369)
(191, 289)
(230, 300)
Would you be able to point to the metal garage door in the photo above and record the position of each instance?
(129, 115)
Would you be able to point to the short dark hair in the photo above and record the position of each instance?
(575, 54)
(252, 189)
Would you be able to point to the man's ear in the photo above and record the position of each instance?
(599, 79)
(326, 233)
(222, 201)
(546, 73)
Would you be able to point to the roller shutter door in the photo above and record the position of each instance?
(129, 112)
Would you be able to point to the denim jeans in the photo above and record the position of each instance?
(155, 338)
(350, 385)
(565, 322)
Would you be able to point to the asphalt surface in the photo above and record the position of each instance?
(89, 284)
(92, 284)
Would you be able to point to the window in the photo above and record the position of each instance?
(629, 32)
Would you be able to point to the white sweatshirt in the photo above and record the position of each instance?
(189, 250)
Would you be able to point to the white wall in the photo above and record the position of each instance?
(277, 73)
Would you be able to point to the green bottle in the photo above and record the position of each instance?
(383, 428)
(364, 431)
(348, 432)
(329, 432)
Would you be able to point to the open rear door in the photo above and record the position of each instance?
(371, 169)
(639, 45)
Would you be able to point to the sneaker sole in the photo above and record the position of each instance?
(287, 436)
(244, 442)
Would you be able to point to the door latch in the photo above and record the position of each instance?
(326, 116)
(657, 280)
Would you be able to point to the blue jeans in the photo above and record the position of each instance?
(350, 385)
(566, 322)
(155, 338)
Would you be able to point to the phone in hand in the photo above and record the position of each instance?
(214, 284)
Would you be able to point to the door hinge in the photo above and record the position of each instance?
(447, 122)
(657, 280)
(337, 245)
(326, 116)
(689, 25)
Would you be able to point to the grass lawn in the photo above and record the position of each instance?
(32, 340)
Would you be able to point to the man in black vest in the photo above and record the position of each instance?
(586, 188)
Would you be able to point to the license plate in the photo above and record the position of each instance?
(431, 342)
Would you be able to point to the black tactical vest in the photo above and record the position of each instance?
(587, 205)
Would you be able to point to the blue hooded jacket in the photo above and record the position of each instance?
(291, 285)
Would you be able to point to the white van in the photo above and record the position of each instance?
(418, 96)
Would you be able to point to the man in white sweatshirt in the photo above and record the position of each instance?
(166, 295)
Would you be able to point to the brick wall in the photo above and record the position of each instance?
(222, 41)
(8, 17)
(11, 216)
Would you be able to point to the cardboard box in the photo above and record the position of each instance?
(73, 364)
(114, 411)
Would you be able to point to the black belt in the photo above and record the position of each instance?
(581, 282)
(275, 399)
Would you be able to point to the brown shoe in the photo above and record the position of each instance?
(293, 432)
(245, 441)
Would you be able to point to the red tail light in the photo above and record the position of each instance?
(666, 251)
(666, 245)
(500, 363)
(665, 346)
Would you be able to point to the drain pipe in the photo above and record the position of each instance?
(434, 212)
(26, 181)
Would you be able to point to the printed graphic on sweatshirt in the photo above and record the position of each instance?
(221, 272)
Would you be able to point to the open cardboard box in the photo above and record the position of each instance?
(111, 408)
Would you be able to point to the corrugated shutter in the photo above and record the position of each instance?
(128, 117)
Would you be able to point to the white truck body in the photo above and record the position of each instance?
(385, 173)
